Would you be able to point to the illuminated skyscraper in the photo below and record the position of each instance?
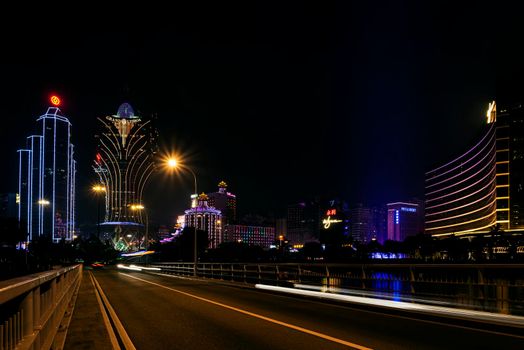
(46, 185)
(206, 218)
(483, 188)
(124, 163)
(403, 220)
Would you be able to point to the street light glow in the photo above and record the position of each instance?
(172, 163)
(98, 188)
(44, 202)
(137, 207)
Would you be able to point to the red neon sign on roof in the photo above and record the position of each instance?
(55, 100)
(331, 212)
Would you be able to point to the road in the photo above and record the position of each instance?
(161, 312)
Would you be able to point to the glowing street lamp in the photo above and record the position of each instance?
(173, 164)
(98, 190)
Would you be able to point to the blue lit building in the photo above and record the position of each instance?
(46, 179)
(404, 220)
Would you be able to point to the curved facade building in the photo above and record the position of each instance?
(124, 163)
(461, 196)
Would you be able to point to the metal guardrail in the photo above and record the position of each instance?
(32, 307)
(489, 287)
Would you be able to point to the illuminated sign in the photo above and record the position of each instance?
(18, 198)
(55, 100)
(328, 221)
(492, 112)
(331, 212)
(396, 217)
(411, 210)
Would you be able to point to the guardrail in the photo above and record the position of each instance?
(493, 287)
(32, 307)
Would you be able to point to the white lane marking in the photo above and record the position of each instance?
(112, 336)
(288, 325)
(128, 344)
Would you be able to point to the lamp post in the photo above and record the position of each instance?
(172, 163)
(98, 190)
(141, 207)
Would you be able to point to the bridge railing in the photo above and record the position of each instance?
(488, 287)
(32, 307)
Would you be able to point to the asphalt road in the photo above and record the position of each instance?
(160, 312)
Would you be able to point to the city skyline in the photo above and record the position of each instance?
(331, 114)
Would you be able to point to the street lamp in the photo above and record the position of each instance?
(172, 163)
(98, 190)
(141, 207)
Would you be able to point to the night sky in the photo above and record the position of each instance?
(283, 101)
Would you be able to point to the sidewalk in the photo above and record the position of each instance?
(87, 330)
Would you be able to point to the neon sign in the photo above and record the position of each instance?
(331, 212)
(328, 221)
(412, 210)
(55, 100)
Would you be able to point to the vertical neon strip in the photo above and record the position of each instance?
(30, 190)
(29, 199)
(41, 188)
(42, 152)
(68, 189)
(54, 181)
(19, 183)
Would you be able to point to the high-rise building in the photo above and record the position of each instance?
(302, 223)
(206, 218)
(403, 220)
(46, 173)
(226, 202)
(333, 223)
(379, 228)
(510, 167)
(124, 163)
(361, 223)
(483, 188)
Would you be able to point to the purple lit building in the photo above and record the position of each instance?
(226, 202)
(404, 220)
(206, 218)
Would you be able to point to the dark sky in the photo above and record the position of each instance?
(286, 101)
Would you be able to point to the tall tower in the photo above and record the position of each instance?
(46, 173)
(124, 163)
